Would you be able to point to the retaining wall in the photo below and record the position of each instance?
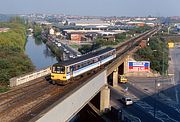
(28, 77)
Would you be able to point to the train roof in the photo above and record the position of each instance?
(84, 57)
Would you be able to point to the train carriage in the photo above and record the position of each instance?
(65, 70)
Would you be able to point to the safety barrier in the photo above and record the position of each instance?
(28, 77)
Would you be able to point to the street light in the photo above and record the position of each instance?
(156, 95)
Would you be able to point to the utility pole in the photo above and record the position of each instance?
(163, 72)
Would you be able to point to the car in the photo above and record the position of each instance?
(71, 56)
(67, 52)
(59, 44)
(78, 55)
(127, 101)
(65, 49)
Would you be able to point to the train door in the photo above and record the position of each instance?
(68, 73)
(71, 71)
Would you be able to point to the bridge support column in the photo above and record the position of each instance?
(115, 77)
(104, 99)
(126, 64)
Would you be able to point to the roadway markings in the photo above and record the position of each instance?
(159, 114)
(131, 117)
(164, 99)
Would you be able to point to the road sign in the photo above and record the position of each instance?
(138, 66)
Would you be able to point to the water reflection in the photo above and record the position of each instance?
(39, 53)
(38, 42)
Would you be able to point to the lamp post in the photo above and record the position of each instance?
(163, 72)
(156, 86)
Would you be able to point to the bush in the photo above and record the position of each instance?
(13, 61)
(156, 53)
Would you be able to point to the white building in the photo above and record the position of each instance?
(51, 31)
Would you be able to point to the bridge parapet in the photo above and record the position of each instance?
(70, 104)
(28, 77)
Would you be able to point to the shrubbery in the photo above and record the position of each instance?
(13, 61)
(156, 53)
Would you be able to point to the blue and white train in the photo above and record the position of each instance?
(65, 70)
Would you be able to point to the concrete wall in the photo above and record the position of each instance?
(28, 77)
(68, 106)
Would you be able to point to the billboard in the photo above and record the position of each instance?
(138, 66)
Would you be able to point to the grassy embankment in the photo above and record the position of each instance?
(13, 61)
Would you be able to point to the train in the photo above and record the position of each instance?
(63, 71)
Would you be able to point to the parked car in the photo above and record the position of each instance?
(59, 44)
(67, 52)
(127, 100)
(78, 55)
(70, 56)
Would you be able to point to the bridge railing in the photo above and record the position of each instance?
(29, 77)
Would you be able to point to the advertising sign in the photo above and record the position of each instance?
(138, 66)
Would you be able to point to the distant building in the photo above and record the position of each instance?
(30, 30)
(51, 31)
(4, 29)
(140, 24)
(57, 33)
(76, 36)
(150, 24)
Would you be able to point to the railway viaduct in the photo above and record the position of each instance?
(66, 107)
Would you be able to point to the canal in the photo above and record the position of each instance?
(39, 53)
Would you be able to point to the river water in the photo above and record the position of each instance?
(39, 53)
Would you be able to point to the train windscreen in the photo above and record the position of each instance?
(58, 69)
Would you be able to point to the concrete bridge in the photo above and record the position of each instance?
(69, 105)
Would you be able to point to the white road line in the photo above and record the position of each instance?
(159, 114)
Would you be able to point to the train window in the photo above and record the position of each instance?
(53, 69)
(85, 63)
(91, 61)
(72, 68)
(76, 66)
(95, 60)
(58, 69)
(79, 66)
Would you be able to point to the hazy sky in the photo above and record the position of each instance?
(93, 7)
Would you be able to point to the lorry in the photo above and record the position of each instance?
(122, 79)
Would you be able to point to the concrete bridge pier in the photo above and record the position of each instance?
(126, 64)
(104, 99)
(115, 78)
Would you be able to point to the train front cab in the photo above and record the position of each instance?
(58, 73)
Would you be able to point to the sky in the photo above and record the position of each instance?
(93, 7)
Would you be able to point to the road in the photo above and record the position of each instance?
(174, 92)
(147, 108)
(133, 110)
(151, 104)
(163, 106)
